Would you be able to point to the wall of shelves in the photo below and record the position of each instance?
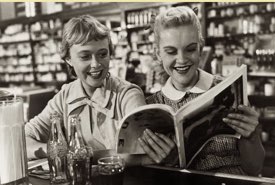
(22, 48)
(29, 46)
(237, 26)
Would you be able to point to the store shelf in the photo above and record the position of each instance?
(52, 62)
(262, 74)
(13, 73)
(48, 31)
(45, 72)
(14, 42)
(227, 18)
(136, 27)
(228, 6)
(16, 82)
(229, 37)
(15, 65)
(15, 56)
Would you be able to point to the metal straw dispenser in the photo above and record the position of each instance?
(13, 156)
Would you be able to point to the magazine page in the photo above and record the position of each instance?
(201, 118)
(156, 117)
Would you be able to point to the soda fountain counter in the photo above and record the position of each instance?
(156, 175)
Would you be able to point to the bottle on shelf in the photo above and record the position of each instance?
(216, 65)
(57, 149)
(78, 155)
(269, 61)
(141, 20)
(272, 25)
(136, 19)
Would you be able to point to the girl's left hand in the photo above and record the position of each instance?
(244, 123)
(158, 147)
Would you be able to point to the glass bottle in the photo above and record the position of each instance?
(216, 65)
(77, 155)
(57, 149)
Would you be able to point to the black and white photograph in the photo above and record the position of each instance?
(137, 93)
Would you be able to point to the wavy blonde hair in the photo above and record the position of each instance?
(175, 17)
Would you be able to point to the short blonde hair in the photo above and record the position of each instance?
(80, 30)
(175, 17)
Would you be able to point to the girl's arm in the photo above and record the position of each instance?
(250, 145)
(252, 153)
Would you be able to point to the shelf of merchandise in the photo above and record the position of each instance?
(236, 16)
(227, 18)
(15, 42)
(267, 74)
(235, 5)
(7, 83)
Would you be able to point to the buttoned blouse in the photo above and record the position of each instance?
(99, 114)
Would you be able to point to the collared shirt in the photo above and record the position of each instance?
(169, 95)
(100, 114)
(204, 83)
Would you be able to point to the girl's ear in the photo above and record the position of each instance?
(68, 61)
(201, 47)
(159, 61)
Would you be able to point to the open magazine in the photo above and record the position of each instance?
(193, 125)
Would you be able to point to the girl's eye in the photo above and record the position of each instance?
(191, 48)
(102, 54)
(85, 57)
(171, 52)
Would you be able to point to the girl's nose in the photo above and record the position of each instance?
(180, 57)
(94, 62)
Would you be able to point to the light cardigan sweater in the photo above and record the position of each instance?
(100, 114)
